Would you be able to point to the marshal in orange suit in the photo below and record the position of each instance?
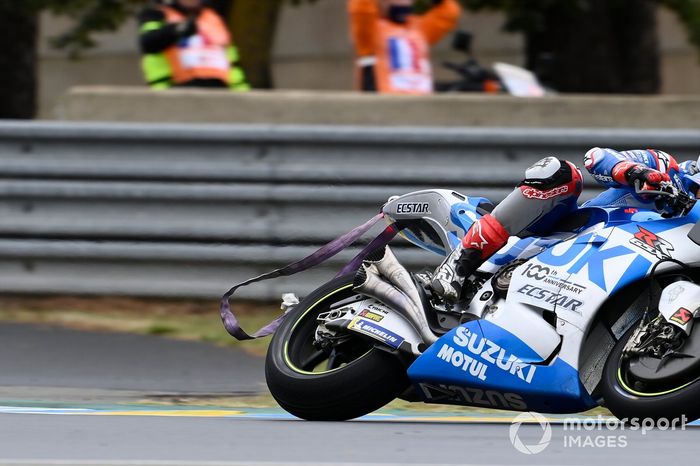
(392, 44)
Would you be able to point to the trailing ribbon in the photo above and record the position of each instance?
(230, 321)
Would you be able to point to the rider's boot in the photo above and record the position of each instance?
(449, 276)
(484, 238)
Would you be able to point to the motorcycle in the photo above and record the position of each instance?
(504, 78)
(599, 313)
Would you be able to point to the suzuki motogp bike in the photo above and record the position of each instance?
(598, 313)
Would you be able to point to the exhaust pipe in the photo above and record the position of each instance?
(399, 292)
(390, 267)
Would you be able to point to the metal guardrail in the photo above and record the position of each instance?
(186, 210)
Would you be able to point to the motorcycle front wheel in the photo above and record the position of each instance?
(627, 399)
(335, 383)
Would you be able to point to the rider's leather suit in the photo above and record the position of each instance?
(549, 191)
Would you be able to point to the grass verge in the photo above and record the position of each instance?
(194, 320)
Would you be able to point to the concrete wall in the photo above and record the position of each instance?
(313, 51)
(351, 108)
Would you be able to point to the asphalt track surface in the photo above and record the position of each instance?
(72, 398)
(41, 356)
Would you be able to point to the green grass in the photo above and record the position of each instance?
(184, 320)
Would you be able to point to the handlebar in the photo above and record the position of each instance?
(675, 200)
(665, 189)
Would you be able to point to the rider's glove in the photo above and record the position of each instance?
(630, 173)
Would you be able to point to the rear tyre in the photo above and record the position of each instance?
(344, 382)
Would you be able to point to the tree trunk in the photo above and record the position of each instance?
(610, 47)
(253, 23)
(18, 61)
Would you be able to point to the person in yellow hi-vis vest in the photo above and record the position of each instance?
(186, 44)
(392, 44)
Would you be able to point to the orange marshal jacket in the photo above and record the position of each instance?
(400, 53)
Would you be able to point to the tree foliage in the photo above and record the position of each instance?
(531, 16)
(688, 12)
(623, 26)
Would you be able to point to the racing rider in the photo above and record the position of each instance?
(549, 191)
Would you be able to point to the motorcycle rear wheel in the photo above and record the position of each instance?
(355, 379)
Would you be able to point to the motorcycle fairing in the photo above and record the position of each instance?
(597, 256)
(580, 221)
(602, 262)
(466, 362)
(435, 219)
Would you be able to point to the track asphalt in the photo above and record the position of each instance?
(76, 398)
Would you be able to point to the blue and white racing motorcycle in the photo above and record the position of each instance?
(599, 313)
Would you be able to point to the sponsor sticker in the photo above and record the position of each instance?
(550, 297)
(675, 293)
(536, 271)
(549, 277)
(543, 163)
(463, 361)
(682, 316)
(477, 239)
(374, 316)
(564, 285)
(652, 243)
(474, 355)
(413, 208)
(585, 252)
(375, 331)
(534, 193)
(602, 178)
(664, 161)
(441, 393)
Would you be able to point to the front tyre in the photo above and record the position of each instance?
(626, 399)
(335, 383)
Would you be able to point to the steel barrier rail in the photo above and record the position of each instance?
(165, 270)
(301, 154)
(186, 210)
(261, 213)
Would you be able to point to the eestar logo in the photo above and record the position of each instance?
(530, 418)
